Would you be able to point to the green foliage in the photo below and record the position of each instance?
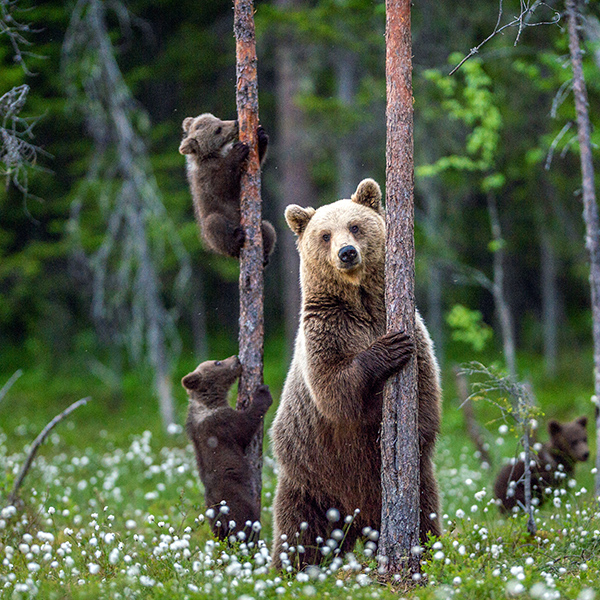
(470, 100)
(468, 327)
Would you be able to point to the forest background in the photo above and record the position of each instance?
(106, 290)
(81, 301)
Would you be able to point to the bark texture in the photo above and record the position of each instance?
(590, 208)
(399, 438)
(251, 334)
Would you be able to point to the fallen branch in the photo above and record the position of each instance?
(6, 387)
(39, 440)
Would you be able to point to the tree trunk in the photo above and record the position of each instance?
(550, 310)
(502, 307)
(251, 258)
(399, 437)
(293, 156)
(345, 73)
(590, 208)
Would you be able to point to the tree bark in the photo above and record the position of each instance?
(502, 307)
(293, 157)
(399, 437)
(550, 302)
(251, 334)
(590, 208)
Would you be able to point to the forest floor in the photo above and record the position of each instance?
(112, 508)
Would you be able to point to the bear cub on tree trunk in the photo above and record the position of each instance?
(215, 161)
(220, 436)
(554, 463)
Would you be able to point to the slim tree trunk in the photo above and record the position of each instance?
(345, 74)
(502, 307)
(251, 259)
(399, 437)
(293, 157)
(590, 208)
(549, 302)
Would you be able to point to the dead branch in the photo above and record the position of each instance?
(521, 21)
(6, 387)
(39, 440)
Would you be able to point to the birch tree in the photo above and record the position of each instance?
(590, 207)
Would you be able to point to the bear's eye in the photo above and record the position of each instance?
(217, 363)
(354, 229)
(218, 130)
(326, 237)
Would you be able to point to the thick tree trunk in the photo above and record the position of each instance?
(251, 335)
(590, 208)
(293, 158)
(399, 437)
(500, 302)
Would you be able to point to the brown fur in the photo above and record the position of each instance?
(553, 464)
(326, 432)
(214, 167)
(220, 436)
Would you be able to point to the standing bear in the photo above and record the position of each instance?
(554, 462)
(220, 436)
(215, 161)
(326, 431)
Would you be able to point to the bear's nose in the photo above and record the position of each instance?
(348, 254)
(586, 456)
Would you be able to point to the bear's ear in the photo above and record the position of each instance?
(191, 381)
(368, 193)
(187, 123)
(554, 427)
(582, 421)
(297, 217)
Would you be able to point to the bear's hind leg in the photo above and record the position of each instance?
(301, 518)
(222, 236)
(429, 517)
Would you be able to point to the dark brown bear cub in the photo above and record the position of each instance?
(554, 463)
(215, 163)
(220, 436)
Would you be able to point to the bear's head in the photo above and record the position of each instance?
(206, 135)
(345, 239)
(570, 438)
(211, 380)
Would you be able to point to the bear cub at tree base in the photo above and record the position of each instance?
(326, 433)
(554, 463)
(215, 161)
(220, 436)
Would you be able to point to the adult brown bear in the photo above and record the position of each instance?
(326, 431)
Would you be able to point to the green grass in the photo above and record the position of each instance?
(112, 508)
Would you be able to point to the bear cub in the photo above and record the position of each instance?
(215, 161)
(553, 464)
(220, 435)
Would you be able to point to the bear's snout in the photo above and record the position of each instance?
(348, 255)
(585, 456)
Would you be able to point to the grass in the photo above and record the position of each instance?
(112, 508)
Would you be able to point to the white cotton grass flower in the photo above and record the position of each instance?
(94, 568)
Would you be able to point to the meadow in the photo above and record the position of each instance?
(113, 508)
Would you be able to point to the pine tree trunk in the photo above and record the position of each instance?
(590, 208)
(399, 438)
(251, 259)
